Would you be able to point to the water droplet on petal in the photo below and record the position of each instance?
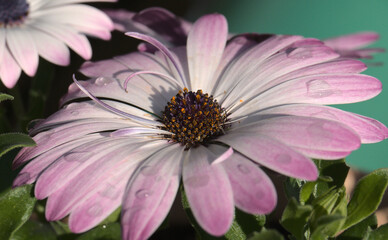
(318, 88)
(149, 170)
(109, 191)
(74, 113)
(317, 130)
(143, 193)
(103, 81)
(243, 169)
(197, 181)
(77, 156)
(95, 210)
(260, 194)
(283, 158)
(298, 53)
(240, 40)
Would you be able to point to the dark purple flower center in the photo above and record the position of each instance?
(193, 117)
(13, 11)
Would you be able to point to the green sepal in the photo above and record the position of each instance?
(9, 141)
(367, 196)
(379, 234)
(16, 206)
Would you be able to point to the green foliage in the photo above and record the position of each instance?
(16, 206)
(4, 96)
(103, 232)
(319, 210)
(33, 230)
(9, 141)
(367, 196)
(267, 235)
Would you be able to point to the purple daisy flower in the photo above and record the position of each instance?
(212, 112)
(33, 28)
(172, 31)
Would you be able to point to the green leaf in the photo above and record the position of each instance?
(358, 231)
(113, 217)
(16, 206)
(322, 226)
(336, 170)
(379, 234)
(306, 191)
(267, 235)
(292, 187)
(4, 96)
(103, 232)
(366, 197)
(295, 217)
(32, 230)
(9, 141)
(243, 225)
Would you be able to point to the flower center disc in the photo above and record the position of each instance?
(13, 11)
(193, 117)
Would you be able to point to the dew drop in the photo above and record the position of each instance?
(260, 194)
(149, 170)
(103, 81)
(283, 158)
(143, 193)
(95, 210)
(109, 191)
(243, 169)
(298, 53)
(197, 181)
(318, 88)
(317, 130)
(76, 156)
(74, 113)
(240, 40)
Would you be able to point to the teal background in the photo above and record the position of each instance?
(320, 19)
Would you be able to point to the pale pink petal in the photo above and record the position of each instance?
(369, 130)
(248, 62)
(70, 164)
(65, 133)
(253, 191)
(288, 60)
(315, 89)
(208, 191)
(9, 69)
(305, 132)
(272, 154)
(148, 193)
(84, 18)
(55, 3)
(50, 48)
(22, 47)
(205, 45)
(31, 171)
(352, 41)
(82, 186)
(235, 47)
(76, 41)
